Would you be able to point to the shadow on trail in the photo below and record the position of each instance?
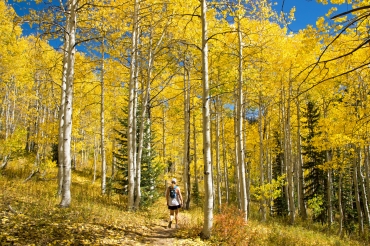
(160, 235)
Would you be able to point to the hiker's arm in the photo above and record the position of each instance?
(180, 196)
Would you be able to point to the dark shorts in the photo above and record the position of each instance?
(174, 207)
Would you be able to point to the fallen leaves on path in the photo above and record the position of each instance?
(58, 228)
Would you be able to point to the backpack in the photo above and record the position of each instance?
(173, 192)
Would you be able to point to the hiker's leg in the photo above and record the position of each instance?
(176, 213)
(171, 218)
(171, 213)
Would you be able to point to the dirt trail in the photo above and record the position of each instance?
(160, 235)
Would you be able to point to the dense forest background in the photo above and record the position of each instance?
(218, 94)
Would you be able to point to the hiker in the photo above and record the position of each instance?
(174, 201)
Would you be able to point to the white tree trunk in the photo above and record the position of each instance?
(61, 116)
(145, 103)
(240, 118)
(131, 133)
(95, 158)
(67, 126)
(360, 216)
(218, 165)
(329, 191)
(262, 176)
(187, 190)
(224, 160)
(236, 162)
(208, 186)
(300, 192)
(340, 205)
(164, 153)
(195, 155)
(364, 194)
(102, 127)
(288, 157)
(367, 175)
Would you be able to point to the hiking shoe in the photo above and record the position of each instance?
(177, 226)
(169, 224)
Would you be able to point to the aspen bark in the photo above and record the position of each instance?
(340, 205)
(283, 116)
(236, 167)
(328, 176)
(329, 192)
(67, 126)
(164, 159)
(187, 189)
(195, 154)
(288, 156)
(61, 115)
(329, 196)
(360, 219)
(262, 176)
(240, 117)
(208, 185)
(145, 104)
(131, 132)
(145, 112)
(224, 160)
(367, 174)
(364, 195)
(218, 167)
(95, 158)
(102, 129)
(269, 167)
(300, 193)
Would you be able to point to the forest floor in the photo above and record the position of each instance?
(20, 229)
(30, 215)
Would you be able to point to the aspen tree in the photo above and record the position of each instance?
(362, 96)
(156, 33)
(261, 147)
(196, 179)
(187, 189)
(67, 122)
(328, 173)
(288, 154)
(102, 119)
(95, 160)
(131, 131)
(300, 185)
(208, 185)
(367, 174)
(240, 118)
(217, 159)
(224, 158)
(236, 154)
(360, 215)
(144, 112)
(340, 204)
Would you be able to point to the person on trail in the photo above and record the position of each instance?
(174, 201)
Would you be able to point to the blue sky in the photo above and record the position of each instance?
(307, 11)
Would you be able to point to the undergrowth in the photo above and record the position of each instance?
(30, 215)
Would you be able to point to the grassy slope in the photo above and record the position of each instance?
(29, 215)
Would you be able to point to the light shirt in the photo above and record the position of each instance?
(173, 201)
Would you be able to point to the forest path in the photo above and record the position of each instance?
(159, 234)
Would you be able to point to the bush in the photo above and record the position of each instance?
(230, 227)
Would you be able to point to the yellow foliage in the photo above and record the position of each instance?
(337, 1)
